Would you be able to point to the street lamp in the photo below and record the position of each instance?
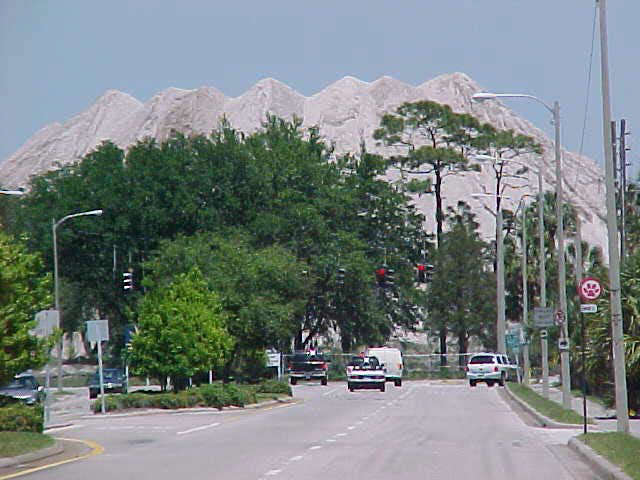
(500, 301)
(55, 225)
(562, 290)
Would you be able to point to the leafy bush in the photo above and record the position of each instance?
(214, 395)
(22, 418)
(274, 386)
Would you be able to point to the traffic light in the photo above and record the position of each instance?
(425, 272)
(422, 273)
(390, 278)
(127, 280)
(381, 276)
(341, 276)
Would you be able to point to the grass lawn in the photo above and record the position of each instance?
(618, 448)
(17, 443)
(546, 407)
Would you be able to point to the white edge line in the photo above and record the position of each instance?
(196, 429)
(59, 429)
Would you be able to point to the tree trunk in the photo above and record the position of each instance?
(443, 347)
(439, 213)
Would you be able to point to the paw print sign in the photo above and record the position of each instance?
(589, 289)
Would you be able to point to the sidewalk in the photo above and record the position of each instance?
(600, 414)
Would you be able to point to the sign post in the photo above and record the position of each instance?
(47, 322)
(589, 290)
(98, 331)
(542, 319)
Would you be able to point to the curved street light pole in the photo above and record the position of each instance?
(562, 288)
(54, 226)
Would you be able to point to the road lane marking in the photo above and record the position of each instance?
(197, 429)
(350, 427)
(59, 429)
(315, 447)
(365, 418)
(341, 435)
(270, 473)
(296, 458)
(329, 392)
(330, 440)
(95, 450)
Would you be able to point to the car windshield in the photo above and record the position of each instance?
(482, 359)
(22, 382)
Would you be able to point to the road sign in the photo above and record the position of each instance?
(589, 289)
(543, 317)
(98, 330)
(588, 308)
(543, 334)
(563, 344)
(273, 359)
(48, 321)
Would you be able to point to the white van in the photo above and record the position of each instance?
(393, 364)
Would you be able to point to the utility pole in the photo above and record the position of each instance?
(562, 278)
(623, 189)
(622, 405)
(544, 345)
(525, 299)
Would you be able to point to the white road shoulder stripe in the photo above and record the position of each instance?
(197, 429)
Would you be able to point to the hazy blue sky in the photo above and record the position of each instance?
(58, 57)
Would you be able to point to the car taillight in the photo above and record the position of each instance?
(495, 369)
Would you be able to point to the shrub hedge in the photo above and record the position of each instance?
(216, 395)
(21, 418)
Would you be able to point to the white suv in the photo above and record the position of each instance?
(490, 368)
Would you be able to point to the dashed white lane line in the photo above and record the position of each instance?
(296, 458)
(341, 435)
(350, 427)
(359, 423)
(271, 473)
(315, 447)
(365, 418)
(329, 392)
(197, 429)
(331, 440)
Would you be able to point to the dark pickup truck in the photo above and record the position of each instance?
(307, 366)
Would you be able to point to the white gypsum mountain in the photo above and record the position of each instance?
(346, 112)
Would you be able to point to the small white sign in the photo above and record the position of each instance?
(98, 330)
(543, 317)
(273, 359)
(588, 308)
(48, 321)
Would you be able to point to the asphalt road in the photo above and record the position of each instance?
(424, 429)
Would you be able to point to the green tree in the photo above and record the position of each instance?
(24, 290)
(457, 298)
(432, 140)
(182, 330)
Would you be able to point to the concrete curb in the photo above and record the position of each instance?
(158, 411)
(540, 418)
(55, 449)
(603, 467)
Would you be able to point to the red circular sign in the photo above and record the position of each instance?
(590, 289)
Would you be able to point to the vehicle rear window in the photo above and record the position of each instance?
(482, 359)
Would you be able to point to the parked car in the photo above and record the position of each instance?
(489, 368)
(113, 379)
(365, 372)
(392, 360)
(24, 387)
(308, 366)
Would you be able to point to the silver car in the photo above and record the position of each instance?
(24, 387)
